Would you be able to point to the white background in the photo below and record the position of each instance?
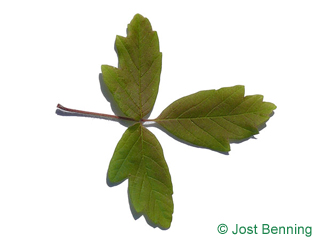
(53, 168)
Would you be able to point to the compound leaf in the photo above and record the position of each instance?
(134, 85)
(139, 158)
(212, 118)
(208, 119)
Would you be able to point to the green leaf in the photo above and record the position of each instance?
(139, 157)
(212, 118)
(207, 119)
(134, 85)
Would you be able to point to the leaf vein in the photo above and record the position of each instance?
(125, 159)
(191, 133)
(224, 100)
(208, 133)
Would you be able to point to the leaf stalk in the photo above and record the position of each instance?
(90, 114)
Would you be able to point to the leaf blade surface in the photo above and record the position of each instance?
(134, 85)
(212, 118)
(139, 158)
